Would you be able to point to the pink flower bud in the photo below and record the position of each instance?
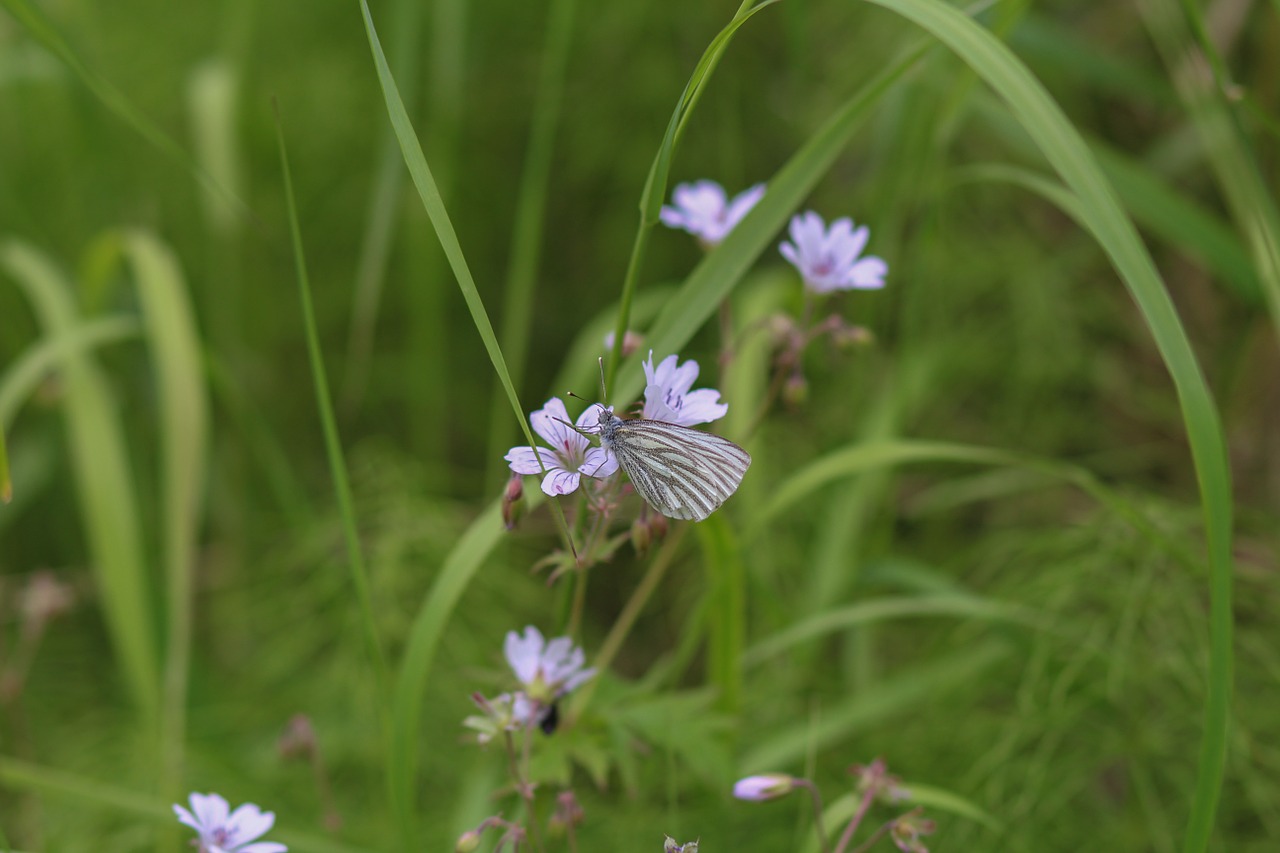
(766, 786)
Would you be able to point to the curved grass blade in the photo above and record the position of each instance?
(41, 358)
(1066, 151)
(6, 484)
(105, 490)
(174, 344)
(884, 609)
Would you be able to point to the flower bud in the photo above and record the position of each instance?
(298, 739)
(658, 526)
(796, 391)
(641, 536)
(468, 842)
(846, 336)
(513, 501)
(631, 342)
(766, 786)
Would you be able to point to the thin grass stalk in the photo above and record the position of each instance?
(333, 447)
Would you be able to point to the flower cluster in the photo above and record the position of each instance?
(570, 455)
(546, 671)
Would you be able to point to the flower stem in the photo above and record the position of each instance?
(849, 830)
(817, 812)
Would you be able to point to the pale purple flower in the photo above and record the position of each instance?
(830, 258)
(224, 831)
(765, 786)
(702, 209)
(667, 396)
(546, 670)
(571, 454)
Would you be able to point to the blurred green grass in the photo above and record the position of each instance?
(1003, 326)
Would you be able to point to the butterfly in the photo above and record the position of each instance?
(683, 473)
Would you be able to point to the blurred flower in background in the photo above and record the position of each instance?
(702, 209)
(830, 258)
(224, 831)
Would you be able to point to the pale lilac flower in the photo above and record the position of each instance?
(702, 209)
(571, 454)
(631, 342)
(667, 396)
(765, 786)
(546, 670)
(830, 258)
(224, 831)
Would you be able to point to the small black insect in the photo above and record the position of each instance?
(550, 719)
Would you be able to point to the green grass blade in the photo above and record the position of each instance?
(727, 617)
(174, 344)
(24, 376)
(434, 204)
(723, 267)
(99, 462)
(1066, 151)
(6, 484)
(891, 697)
(884, 609)
(333, 447)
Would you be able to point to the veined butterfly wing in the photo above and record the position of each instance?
(683, 473)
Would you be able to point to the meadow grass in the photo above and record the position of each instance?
(1021, 543)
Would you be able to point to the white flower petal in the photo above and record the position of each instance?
(524, 460)
(560, 482)
(599, 463)
(524, 653)
(702, 407)
(249, 822)
(263, 847)
(210, 810)
(868, 273)
(187, 817)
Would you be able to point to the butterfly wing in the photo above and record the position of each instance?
(683, 473)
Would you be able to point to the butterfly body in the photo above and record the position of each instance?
(683, 473)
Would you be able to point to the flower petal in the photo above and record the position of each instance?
(249, 822)
(187, 817)
(210, 809)
(524, 654)
(701, 407)
(560, 482)
(868, 273)
(524, 460)
(599, 463)
(263, 847)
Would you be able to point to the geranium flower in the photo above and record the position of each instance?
(546, 671)
(571, 454)
(830, 259)
(667, 396)
(224, 831)
(702, 210)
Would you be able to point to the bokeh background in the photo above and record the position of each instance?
(1030, 655)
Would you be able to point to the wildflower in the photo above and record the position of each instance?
(766, 786)
(503, 713)
(222, 831)
(829, 258)
(702, 210)
(667, 396)
(571, 455)
(874, 779)
(546, 670)
(512, 501)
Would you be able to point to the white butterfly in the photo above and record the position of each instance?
(683, 473)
